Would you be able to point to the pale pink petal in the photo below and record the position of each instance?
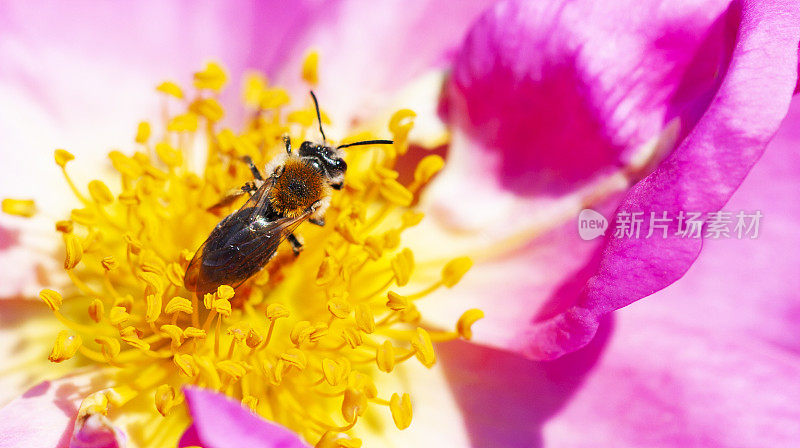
(220, 422)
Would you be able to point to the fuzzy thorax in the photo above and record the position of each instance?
(297, 187)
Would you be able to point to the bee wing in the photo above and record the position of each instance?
(240, 245)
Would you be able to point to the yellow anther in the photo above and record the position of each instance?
(403, 266)
(276, 311)
(97, 403)
(327, 271)
(125, 165)
(175, 274)
(19, 207)
(223, 307)
(304, 118)
(427, 168)
(250, 402)
(365, 320)
(454, 270)
(128, 197)
(410, 315)
(339, 308)
(109, 263)
(382, 173)
(63, 157)
(423, 348)
(301, 332)
(391, 239)
(225, 292)
(274, 98)
(64, 226)
(336, 372)
(347, 230)
(411, 218)
(334, 439)
(464, 324)
(174, 332)
(401, 410)
(238, 332)
(396, 302)
(235, 369)
(212, 77)
(153, 307)
(400, 125)
(295, 358)
(363, 383)
(209, 108)
(183, 123)
(165, 399)
(52, 298)
(133, 245)
(133, 337)
(208, 300)
(354, 404)
(254, 339)
(193, 332)
(83, 216)
(170, 88)
(118, 315)
(143, 132)
(394, 192)
(310, 67)
(178, 305)
(96, 310)
(352, 336)
(320, 330)
(276, 372)
(152, 280)
(65, 347)
(374, 247)
(109, 347)
(169, 155)
(253, 88)
(384, 357)
(186, 365)
(74, 251)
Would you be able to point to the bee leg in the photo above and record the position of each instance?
(253, 167)
(287, 143)
(297, 246)
(317, 221)
(250, 188)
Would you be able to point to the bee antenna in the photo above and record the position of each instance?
(319, 118)
(366, 142)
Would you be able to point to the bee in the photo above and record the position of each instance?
(297, 188)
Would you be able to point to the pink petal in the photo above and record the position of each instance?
(555, 315)
(711, 360)
(556, 92)
(700, 176)
(44, 416)
(220, 422)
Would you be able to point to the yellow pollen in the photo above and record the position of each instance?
(302, 342)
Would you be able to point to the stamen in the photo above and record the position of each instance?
(299, 341)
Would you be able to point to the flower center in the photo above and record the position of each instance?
(302, 341)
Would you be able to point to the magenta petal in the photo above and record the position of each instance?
(559, 91)
(220, 422)
(699, 176)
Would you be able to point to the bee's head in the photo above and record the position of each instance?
(326, 160)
